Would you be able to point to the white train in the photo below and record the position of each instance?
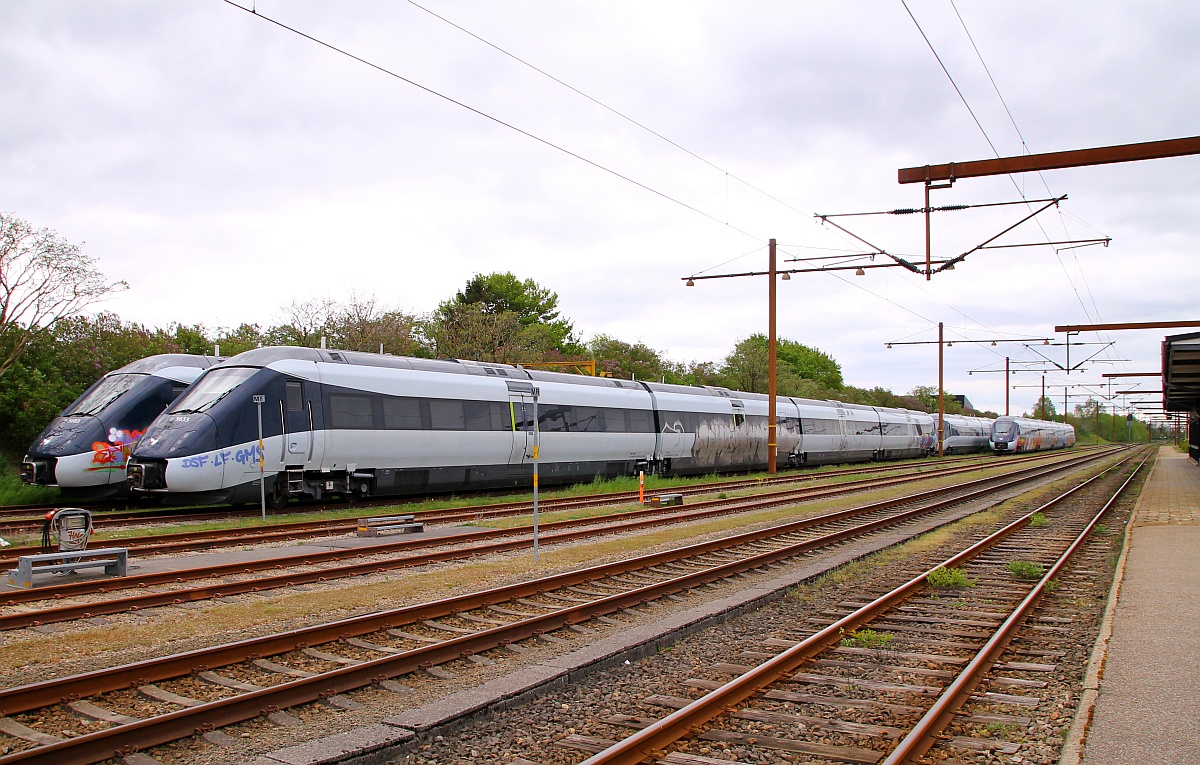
(85, 449)
(1021, 434)
(362, 424)
(964, 434)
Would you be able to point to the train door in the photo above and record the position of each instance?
(297, 434)
(303, 437)
(844, 425)
(521, 413)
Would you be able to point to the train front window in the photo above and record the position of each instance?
(211, 388)
(108, 391)
(1003, 428)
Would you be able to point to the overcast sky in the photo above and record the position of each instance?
(224, 166)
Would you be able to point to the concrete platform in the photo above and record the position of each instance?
(1141, 702)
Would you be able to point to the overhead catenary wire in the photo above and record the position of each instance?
(673, 143)
(559, 148)
(537, 138)
(492, 118)
(987, 138)
(613, 110)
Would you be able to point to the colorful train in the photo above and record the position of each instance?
(85, 449)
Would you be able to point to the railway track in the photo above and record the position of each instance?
(159, 544)
(881, 684)
(213, 687)
(386, 556)
(26, 518)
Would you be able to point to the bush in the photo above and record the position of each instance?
(867, 638)
(949, 579)
(1023, 569)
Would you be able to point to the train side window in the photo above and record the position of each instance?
(640, 421)
(402, 413)
(738, 419)
(447, 414)
(501, 416)
(294, 395)
(478, 415)
(587, 420)
(614, 420)
(350, 412)
(555, 419)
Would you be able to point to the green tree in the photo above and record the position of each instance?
(303, 323)
(189, 339)
(698, 373)
(794, 360)
(878, 396)
(43, 280)
(245, 337)
(469, 331)
(362, 324)
(809, 363)
(747, 367)
(628, 360)
(926, 397)
(60, 364)
(359, 324)
(1043, 409)
(499, 293)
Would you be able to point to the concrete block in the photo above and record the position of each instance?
(357, 745)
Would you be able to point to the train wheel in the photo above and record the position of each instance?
(277, 495)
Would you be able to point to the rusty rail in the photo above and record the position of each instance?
(201, 540)
(437, 516)
(515, 538)
(104, 744)
(654, 738)
(923, 735)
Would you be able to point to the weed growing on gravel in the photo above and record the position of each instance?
(949, 579)
(1023, 569)
(1101, 529)
(1118, 544)
(996, 728)
(867, 638)
(1038, 519)
(1051, 585)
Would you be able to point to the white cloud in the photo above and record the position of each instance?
(224, 166)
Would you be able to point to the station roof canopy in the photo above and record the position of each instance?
(1181, 372)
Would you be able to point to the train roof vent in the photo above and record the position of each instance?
(336, 356)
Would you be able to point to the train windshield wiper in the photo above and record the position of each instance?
(97, 407)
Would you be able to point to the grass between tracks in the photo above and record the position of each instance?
(995, 516)
(828, 474)
(33, 657)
